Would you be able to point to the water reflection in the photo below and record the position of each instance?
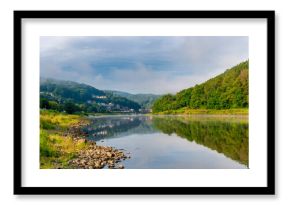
(228, 136)
(117, 126)
(225, 135)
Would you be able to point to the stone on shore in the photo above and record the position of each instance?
(94, 156)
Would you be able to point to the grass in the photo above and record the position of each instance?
(55, 120)
(55, 148)
(189, 111)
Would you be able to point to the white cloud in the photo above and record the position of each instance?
(140, 64)
(145, 80)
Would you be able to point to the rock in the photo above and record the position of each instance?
(83, 161)
(120, 166)
(97, 165)
(111, 166)
(110, 162)
(91, 163)
(94, 156)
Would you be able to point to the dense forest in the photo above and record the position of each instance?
(144, 100)
(227, 90)
(74, 97)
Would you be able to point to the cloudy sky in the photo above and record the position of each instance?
(140, 64)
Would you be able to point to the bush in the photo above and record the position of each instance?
(46, 150)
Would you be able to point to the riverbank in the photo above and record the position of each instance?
(189, 111)
(63, 144)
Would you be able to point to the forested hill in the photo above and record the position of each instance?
(69, 90)
(144, 100)
(59, 94)
(227, 90)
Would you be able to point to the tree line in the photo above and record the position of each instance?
(225, 91)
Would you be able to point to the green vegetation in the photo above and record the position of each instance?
(227, 136)
(73, 97)
(56, 149)
(144, 100)
(189, 111)
(60, 89)
(226, 91)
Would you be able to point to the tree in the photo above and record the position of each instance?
(44, 103)
(227, 90)
(70, 107)
(53, 105)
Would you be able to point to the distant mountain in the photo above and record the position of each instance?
(77, 92)
(84, 96)
(144, 100)
(227, 90)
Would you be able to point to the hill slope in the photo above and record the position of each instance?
(69, 90)
(225, 91)
(86, 97)
(144, 100)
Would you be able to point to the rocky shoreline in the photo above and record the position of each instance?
(93, 156)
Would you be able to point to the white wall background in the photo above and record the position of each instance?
(282, 98)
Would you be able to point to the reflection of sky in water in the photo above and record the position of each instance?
(151, 148)
(163, 151)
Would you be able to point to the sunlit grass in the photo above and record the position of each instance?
(55, 120)
(55, 149)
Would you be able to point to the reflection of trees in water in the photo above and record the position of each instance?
(109, 127)
(229, 138)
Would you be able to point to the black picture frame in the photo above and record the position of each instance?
(268, 190)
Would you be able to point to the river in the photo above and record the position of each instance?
(175, 142)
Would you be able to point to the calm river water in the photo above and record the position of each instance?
(175, 142)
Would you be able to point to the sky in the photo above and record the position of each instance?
(140, 64)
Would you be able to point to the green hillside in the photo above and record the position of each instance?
(225, 91)
(69, 90)
(73, 97)
(144, 100)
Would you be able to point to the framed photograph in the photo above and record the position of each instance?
(144, 102)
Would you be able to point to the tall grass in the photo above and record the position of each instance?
(55, 149)
(55, 120)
